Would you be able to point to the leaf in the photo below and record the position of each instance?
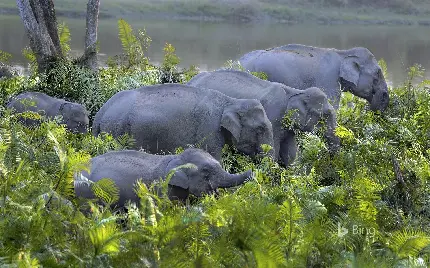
(383, 66)
(4, 57)
(105, 238)
(409, 243)
(64, 35)
(106, 190)
(128, 40)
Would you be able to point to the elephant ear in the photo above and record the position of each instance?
(179, 178)
(350, 69)
(65, 109)
(231, 122)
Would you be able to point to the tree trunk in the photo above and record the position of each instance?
(41, 27)
(89, 59)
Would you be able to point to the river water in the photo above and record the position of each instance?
(210, 44)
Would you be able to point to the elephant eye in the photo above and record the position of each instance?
(204, 170)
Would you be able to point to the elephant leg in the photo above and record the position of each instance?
(288, 149)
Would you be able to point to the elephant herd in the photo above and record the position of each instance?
(217, 108)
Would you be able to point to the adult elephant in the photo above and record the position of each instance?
(299, 66)
(310, 106)
(164, 117)
(127, 166)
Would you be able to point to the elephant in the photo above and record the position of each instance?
(163, 117)
(127, 166)
(311, 105)
(74, 115)
(333, 71)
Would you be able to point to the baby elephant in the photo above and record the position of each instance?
(309, 106)
(74, 115)
(125, 167)
(164, 117)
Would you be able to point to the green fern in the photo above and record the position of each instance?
(105, 238)
(383, 66)
(126, 36)
(409, 243)
(133, 46)
(64, 35)
(106, 190)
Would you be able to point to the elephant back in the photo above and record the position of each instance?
(236, 84)
(36, 102)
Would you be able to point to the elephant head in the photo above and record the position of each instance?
(361, 75)
(247, 126)
(75, 117)
(208, 176)
(312, 109)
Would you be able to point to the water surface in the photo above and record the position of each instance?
(210, 44)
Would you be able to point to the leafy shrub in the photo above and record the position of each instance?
(170, 72)
(134, 47)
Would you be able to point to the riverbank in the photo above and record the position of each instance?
(244, 11)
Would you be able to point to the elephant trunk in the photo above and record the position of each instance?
(380, 100)
(332, 140)
(231, 180)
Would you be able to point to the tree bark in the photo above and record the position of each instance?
(89, 59)
(41, 27)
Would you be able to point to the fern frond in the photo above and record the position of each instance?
(106, 190)
(105, 238)
(409, 243)
(383, 66)
(64, 35)
(128, 39)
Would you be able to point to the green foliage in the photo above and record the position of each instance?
(4, 57)
(64, 35)
(169, 69)
(31, 57)
(134, 47)
(169, 66)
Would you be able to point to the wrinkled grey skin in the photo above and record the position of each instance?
(311, 106)
(299, 66)
(164, 117)
(125, 167)
(74, 115)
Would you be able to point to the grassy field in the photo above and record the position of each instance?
(288, 11)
